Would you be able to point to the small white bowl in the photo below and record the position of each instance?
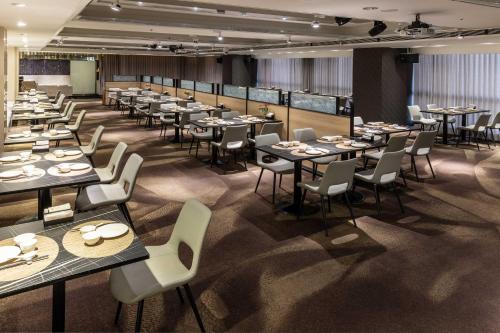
(23, 237)
(87, 228)
(28, 245)
(347, 143)
(91, 238)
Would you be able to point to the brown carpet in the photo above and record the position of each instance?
(435, 268)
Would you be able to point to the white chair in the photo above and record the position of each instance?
(109, 173)
(358, 121)
(277, 167)
(233, 141)
(164, 269)
(230, 114)
(336, 180)
(494, 125)
(56, 97)
(65, 116)
(74, 128)
(422, 146)
(385, 173)
(193, 104)
(439, 118)
(184, 124)
(480, 127)
(308, 134)
(58, 105)
(206, 136)
(90, 149)
(95, 196)
(417, 117)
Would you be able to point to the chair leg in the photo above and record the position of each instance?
(401, 172)
(452, 128)
(197, 147)
(415, 167)
(91, 161)
(118, 311)
(476, 139)
(258, 180)
(377, 197)
(395, 190)
(430, 165)
(365, 164)
(138, 318)
(78, 139)
(458, 136)
(315, 170)
(195, 309)
(323, 213)
(281, 178)
(493, 137)
(486, 138)
(348, 202)
(123, 208)
(191, 145)
(179, 293)
(329, 204)
(274, 186)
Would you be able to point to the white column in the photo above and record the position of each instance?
(12, 73)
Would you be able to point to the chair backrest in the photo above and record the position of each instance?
(265, 140)
(496, 120)
(230, 114)
(116, 158)
(482, 122)
(96, 139)
(423, 143)
(193, 104)
(155, 107)
(217, 113)
(190, 229)
(69, 114)
(415, 113)
(304, 134)
(236, 136)
(66, 108)
(339, 175)
(269, 128)
(186, 117)
(79, 119)
(198, 116)
(60, 100)
(56, 97)
(396, 143)
(358, 121)
(388, 167)
(432, 106)
(128, 176)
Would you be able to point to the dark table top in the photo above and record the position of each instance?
(455, 112)
(68, 266)
(235, 121)
(47, 181)
(36, 116)
(286, 154)
(39, 137)
(384, 129)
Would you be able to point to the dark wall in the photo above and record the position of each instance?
(44, 67)
(381, 85)
(244, 71)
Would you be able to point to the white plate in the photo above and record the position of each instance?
(72, 152)
(359, 145)
(11, 174)
(8, 253)
(12, 158)
(400, 128)
(79, 166)
(15, 136)
(313, 152)
(112, 230)
(63, 131)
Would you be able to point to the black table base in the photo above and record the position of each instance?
(58, 306)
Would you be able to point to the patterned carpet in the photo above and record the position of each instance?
(434, 268)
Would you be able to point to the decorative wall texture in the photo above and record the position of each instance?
(44, 67)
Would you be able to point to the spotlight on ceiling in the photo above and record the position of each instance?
(378, 28)
(460, 36)
(342, 20)
(220, 38)
(315, 24)
(115, 6)
(289, 40)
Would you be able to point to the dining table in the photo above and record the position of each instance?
(321, 148)
(62, 256)
(454, 111)
(178, 110)
(35, 117)
(381, 128)
(46, 175)
(33, 137)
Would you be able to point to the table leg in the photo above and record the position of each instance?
(58, 306)
(445, 129)
(464, 123)
(176, 129)
(297, 193)
(214, 149)
(44, 201)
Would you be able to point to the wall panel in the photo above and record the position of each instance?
(323, 124)
(156, 88)
(171, 90)
(235, 104)
(280, 113)
(207, 99)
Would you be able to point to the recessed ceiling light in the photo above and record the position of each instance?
(459, 36)
(439, 45)
(140, 3)
(104, 48)
(220, 37)
(21, 24)
(370, 8)
(488, 43)
(25, 45)
(195, 8)
(289, 40)
(315, 24)
(251, 50)
(335, 50)
(18, 4)
(284, 18)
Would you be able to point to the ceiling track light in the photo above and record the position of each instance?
(460, 36)
(289, 40)
(219, 37)
(315, 24)
(378, 28)
(115, 6)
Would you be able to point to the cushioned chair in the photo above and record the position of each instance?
(422, 146)
(56, 97)
(90, 149)
(385, 173)
(109, 173)
(477, 129)
(336, 180)
(65, 116)
(233, 141)
(417, 117)
(74, 128)
(199, 136)
(395, 143)
(184, 124)
(277, 167)
(60, 101)
(308, 134)
(164, 269)
(95, 196)
(358, 121)
(230, 114)
(494, 125)
(268, 128)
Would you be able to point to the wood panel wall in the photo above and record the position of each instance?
(280, 113)
(181, 92)
(156, 88)
(208, 99)
(171, 91)
(323, 124)
(121, 85)
(235, 104)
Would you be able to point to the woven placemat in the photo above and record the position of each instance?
(296, 152)
(52, 157)
(37, 173)
(302, 145)
(34, 158)
(55, 172)
(330, 142)
(74, 244)
(342, 146)
(33, 135)
(45, 245)
(47, 135)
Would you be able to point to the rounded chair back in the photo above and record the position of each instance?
(415, 113)
(304, 134)
(269, 128)
(235, 136)
(129, 174)
(230, 114)
(116, 158)
(265, 140)
(396, 143)
(482, 122)
(358, 121)
(388, 167)
(338, 177)
(96, 139)
(79, 119)
(423, 143)
(66, 109)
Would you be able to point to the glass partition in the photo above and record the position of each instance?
(125, 78)
(205, 87)
(234, 91)
(270, 96)
(319, 103)
(168, 82)
(186, 84)
(146, 78)
(157, 80)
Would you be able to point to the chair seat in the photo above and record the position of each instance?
(313, 186)
(208, 135)
(86, 150)
(497, 126)
(105, 176)
(325, 160)
(95, 196)
(471, 128)
(71, 128)
(230, 145)
(279, 166)
(427, 121)
(137, 281)
(375, 155)
(420, 151)
(167, 121)
(365, 175)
